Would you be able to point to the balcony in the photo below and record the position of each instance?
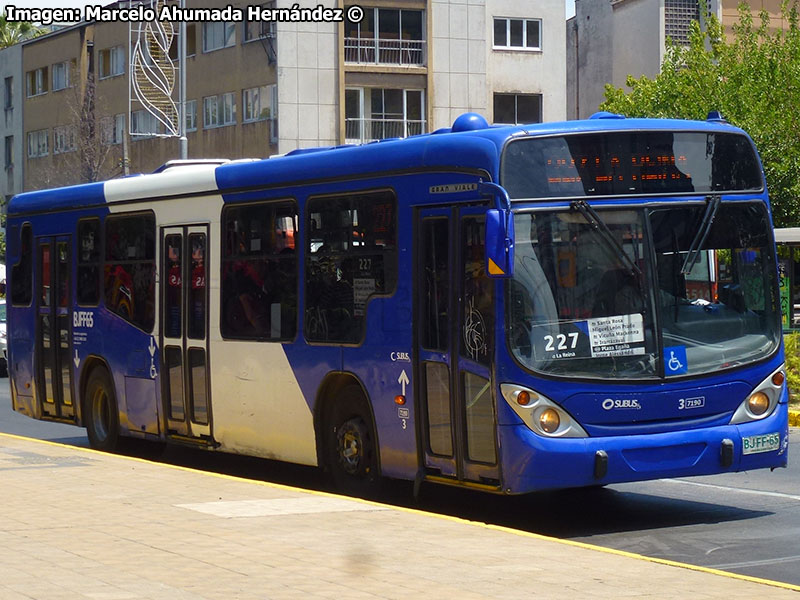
(360, 131)
(376, 51)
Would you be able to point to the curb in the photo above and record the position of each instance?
(794, 418)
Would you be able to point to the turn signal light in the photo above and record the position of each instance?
(523, 398)
(549, 421)
(400, 400)
(758, 403)
(778, 378)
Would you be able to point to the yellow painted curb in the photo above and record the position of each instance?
(509, 530)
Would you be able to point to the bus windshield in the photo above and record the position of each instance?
(629, 163)
(576, 307)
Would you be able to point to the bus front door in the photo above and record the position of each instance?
(455, 328)
(184, 332)
(54, 308)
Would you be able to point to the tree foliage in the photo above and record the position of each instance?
(13, 32)
(752, 79)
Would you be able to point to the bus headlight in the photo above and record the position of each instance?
(540, 414)
(762, 400)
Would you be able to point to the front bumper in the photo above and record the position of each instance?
(532, 462)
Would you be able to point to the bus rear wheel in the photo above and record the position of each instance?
(100, 412)
(351, 445)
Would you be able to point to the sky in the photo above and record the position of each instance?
(569, 5)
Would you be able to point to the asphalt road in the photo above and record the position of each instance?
(747, 523)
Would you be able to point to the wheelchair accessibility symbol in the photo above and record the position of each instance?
(675, 360)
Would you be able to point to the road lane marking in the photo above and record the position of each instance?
(724, 488)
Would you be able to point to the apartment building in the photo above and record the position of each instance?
(607, 40)
(256, 88)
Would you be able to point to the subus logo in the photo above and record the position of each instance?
(609, 404)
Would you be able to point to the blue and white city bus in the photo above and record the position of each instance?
(504, 308)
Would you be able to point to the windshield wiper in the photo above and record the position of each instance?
(702, 233)
(598, 225)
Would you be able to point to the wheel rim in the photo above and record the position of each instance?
(351, 447)
(100, 414)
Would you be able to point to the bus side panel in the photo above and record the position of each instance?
(263, 397)
(383, 365)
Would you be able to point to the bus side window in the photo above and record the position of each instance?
(130, 268)
(259, 271)
(88, 287)
(351, 255)
(22, 271)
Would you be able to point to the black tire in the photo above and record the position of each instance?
(100, 413)
(350, 444)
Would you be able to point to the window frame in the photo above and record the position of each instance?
(42, 140)
(106, 261)
(209, 34)
(64, 139)
(524, 47)
(98, 263)
(223, 107)
(37, 82)
(516, 97)
(388, 292)
(264, 91)
(116, 59)
(55, 68)
(229, 214)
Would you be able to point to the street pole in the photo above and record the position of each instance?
(184, 142)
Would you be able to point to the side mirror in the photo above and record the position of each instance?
(499, 233)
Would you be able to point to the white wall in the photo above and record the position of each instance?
(307, 67)
(11, 120)
(531, 72)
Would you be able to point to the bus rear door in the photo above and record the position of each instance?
(455, 325)
(184, 332)
(54, 313)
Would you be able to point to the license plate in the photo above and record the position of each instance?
(761, 443)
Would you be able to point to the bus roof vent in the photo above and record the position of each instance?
(469, 122)
(604, 114)
(715, 116)
(299, 151)
(172, 164)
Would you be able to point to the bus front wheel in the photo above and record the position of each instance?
(100, 414)
(351, 446)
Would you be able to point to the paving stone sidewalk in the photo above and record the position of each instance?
(78, 524)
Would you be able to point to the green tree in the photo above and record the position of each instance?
(753, 80)
(13, 32)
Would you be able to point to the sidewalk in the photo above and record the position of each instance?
(78, 524)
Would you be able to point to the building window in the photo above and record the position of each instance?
(8, 93)
(218, 35)
(112, 62)
(257, 30)
(130, 268)
(351, 256)
(191, 42)
(8, 161)
(518, 34)
(258, 103)
(191, 115)
(378, 113)
(515, 109)
(37, 143)
(64, 139)
(112, 130)
(259, 271)
(144, 123)
(219, 110)
(36, 81)
(61, 75)
(386, 36)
